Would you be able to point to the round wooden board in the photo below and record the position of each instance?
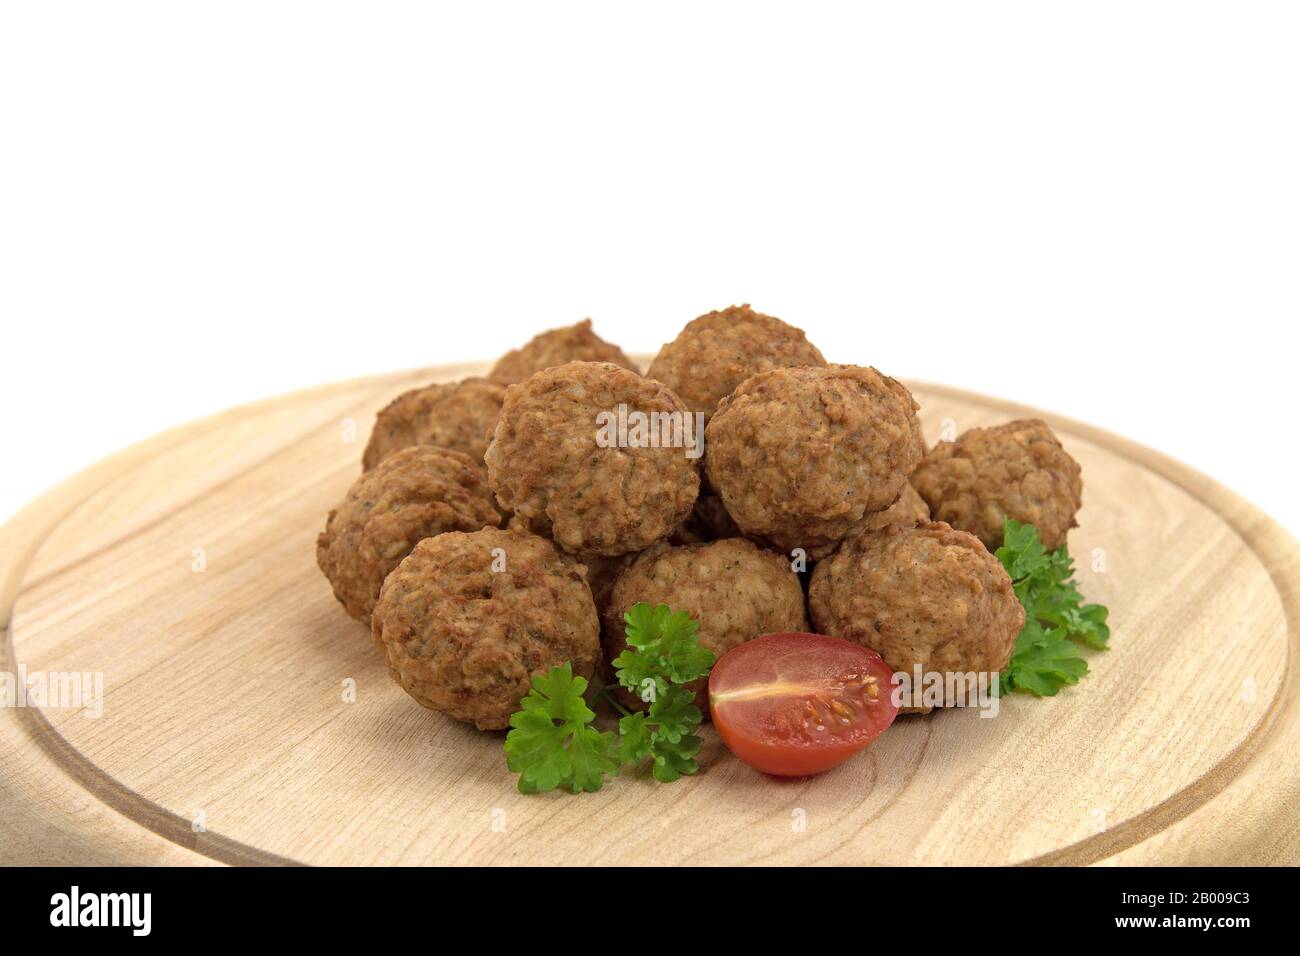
(225, 734)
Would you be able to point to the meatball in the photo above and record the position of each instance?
(718, 351)
(467, 620)
(556, 461)
(736, 590)
(803, 457)
(456, 415)
(908, 511)
(573, 343)
(928, 596)
(708, 521)
(1018, 470)
(412, 495)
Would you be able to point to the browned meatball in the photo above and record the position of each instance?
(548, 466)
(467, 620)
(736, 590)
(908, 511)
(456, 415)
(928, 596)
(412, 495)
(573, 343)
(718, 351)
(802, 457)
(1018, 470)
(708, 521)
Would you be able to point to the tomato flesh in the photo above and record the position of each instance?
(793, 705)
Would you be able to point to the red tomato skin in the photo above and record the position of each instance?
(783, 760)
(748, 730)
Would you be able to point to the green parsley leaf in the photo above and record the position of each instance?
(675, 760)
(675, 715)
(665, 735)
(1044, 661)
(552, 743)
(673, 742)
(641, 674)
(634, 738)
(1022, 554)
(1046, 657)
(663, 654)
(663, 649)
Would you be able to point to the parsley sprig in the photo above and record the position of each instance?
(1046, 656)
(663, 653)
(553, 742)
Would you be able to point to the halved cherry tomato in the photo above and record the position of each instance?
(798, 704)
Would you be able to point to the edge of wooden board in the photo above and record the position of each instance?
(58, 808)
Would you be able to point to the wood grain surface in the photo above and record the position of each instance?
(183, 571)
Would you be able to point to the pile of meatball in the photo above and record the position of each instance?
(492, 536)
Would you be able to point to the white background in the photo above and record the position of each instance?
(1093, 208)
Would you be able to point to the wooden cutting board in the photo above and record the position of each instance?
(183, 570)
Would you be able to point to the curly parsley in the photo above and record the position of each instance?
(663, 653)
(1046, 656)
(552, 743)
